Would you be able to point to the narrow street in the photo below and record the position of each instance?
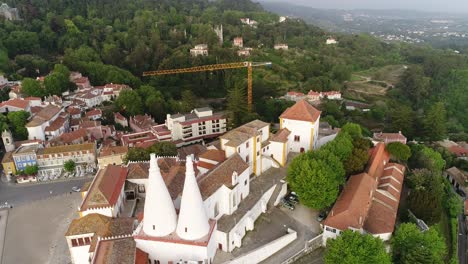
(462, 241)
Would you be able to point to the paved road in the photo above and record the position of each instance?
(21, 194)
(462, 241)
(3, 224)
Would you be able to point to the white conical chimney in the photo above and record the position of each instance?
(193, 222)
(160, 218)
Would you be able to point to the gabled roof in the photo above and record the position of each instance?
(301, 111)
(281, 135)
(214, 155)
(221, 175)
(106, 187)
(18, 103)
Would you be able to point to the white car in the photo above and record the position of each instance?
(76, 189)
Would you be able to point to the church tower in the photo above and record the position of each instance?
(160, 215)
(193, 221)
(8, 141)
(219, 32)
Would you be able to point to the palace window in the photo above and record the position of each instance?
(297, 138)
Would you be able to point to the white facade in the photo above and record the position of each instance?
(199, 50)
(79, 248)
(304, 134)
(331, 41)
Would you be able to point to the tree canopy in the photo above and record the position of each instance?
(353, 248)
(399, 151)
(410, 245)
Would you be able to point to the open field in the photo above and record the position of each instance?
(35, 231)
(389, 73)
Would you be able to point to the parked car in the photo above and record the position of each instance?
(292, 198)
(76, 189)
(321, 216)
(287, 204)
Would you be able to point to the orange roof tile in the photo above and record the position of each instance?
(214, 155)
(301, 111)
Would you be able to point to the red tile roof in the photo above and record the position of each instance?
(459, 151)
(93, 112)
(56, 124)
(18, 103)
(301, 111)
(281, 135)
(117, 150)
(370, 200)
(106, 188)
(119, 116)
(214, 155)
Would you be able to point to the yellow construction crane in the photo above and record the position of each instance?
(216, 67)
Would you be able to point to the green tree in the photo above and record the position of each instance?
(130, 102)
(341, 146)
(399, 151)
(32, 87)
(357, 161)
(314, 180)
(435, 122)
(353, 248)
(410, 245)
(425, 199)
(424, 157)
(189, 101)
(402, 119)
(18, 121)
(31, 169)
(69, 166)
(163, 149)
(414, 84)
(136, 154)
(354, 130)
(236, 106)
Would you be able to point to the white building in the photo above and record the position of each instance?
(238, 42)
(302, 120)
(331, 41)
(247, 141)
(249, 22)
(51, 159)
(199, 50)
(282, 19)
(105, 195)
(168, 237)
(281, 46)
(44, 118)
(14, 105)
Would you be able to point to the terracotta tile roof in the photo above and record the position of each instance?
(94, 112)
(351, 207)
(119, 116)
(45, 115)
(18, 103)
(173, 173)
(459, 151)
(35, 109)
(214, 155)
(301, 111)
(90, 223)
(390, 137)
(313, 93)
(206, 165)
(106, 187)
(461, 177)
(195, 149)
(121, 251)
(293, 93)
(141, 257)
(281, 135)
(69, 137)
(109, 151)
(221, 175)
(56, 124)
(89, 124)
(370, 200)
(241, 134)
(73, 111)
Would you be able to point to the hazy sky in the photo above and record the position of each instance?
(425, 5)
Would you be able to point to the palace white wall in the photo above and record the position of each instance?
(165, 251)
(265, 251)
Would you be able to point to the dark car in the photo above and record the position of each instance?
(286, 204)
(321, 216)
